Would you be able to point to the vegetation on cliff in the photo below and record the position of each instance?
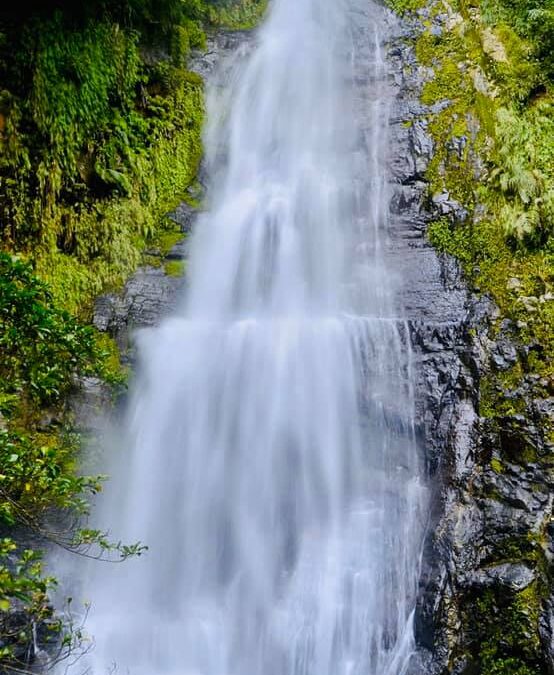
(43, 349)
(489, 86)
(97, 144)
(100, 136)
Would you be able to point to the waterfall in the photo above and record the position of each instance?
(269, 458)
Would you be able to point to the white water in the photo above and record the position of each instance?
(270, 462)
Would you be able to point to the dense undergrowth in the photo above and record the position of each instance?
(489, 71)
(100, 136)
(43, 349)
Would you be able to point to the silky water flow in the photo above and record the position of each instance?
(269, 458)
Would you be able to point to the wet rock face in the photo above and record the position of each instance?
(484, 581)
(148, 295)
(436, 302)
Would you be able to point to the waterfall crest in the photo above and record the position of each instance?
(270, 461)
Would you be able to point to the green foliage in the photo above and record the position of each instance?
(73, 94)
(236, 14)
(36, 475)
(42, 347)
(525, 172)
(149, 16)
(505, 624)
(26, 613)
(97, 149)
(518, 74)
(43, 350)
(175, 268)
(533, 20)
(402, 6)
(75, 88)
(24, 587)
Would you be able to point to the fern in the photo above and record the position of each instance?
(524, 171)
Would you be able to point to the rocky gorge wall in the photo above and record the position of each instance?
(486, 594)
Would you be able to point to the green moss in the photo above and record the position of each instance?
(168, 239)
(88, 168)
(505, 631)
(426, 48)
(403, 6)
(517, 549)
(237, 15)
(451, 239)
(497, 466)
(175, 268)
(500, 397)
(499, 666)
(112, 370)
(446, 83)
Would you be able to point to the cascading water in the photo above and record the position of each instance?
(271, 464)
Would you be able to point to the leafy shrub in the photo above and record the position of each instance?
(532, 20)
(42, 347)
(23, 588)
(43, 350)
(525, 172)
